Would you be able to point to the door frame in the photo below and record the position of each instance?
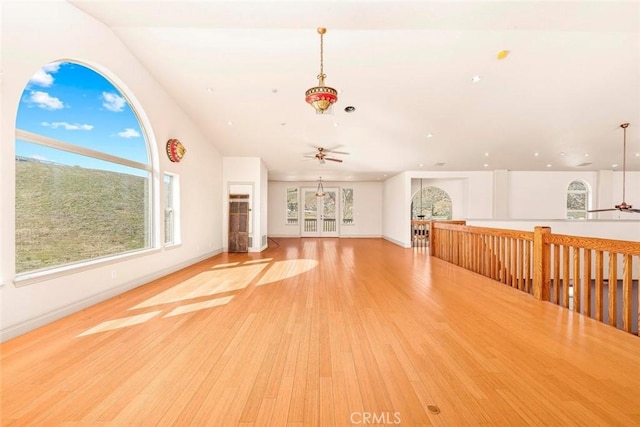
(322, 229)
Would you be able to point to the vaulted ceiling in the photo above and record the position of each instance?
(240, 69)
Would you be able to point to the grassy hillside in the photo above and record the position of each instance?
(66, 214)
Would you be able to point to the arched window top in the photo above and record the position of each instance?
(431, 203)
(70, 102)
(577, 186)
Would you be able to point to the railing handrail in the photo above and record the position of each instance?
(625, 247)
(499, 232)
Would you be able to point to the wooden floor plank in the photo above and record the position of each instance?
(322, 332)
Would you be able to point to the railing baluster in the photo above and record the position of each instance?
(565, 275)
(556, 274)
(627, 286)
(586, 282)
(613, 289)
(599, 286)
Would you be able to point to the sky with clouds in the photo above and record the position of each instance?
(74, 104)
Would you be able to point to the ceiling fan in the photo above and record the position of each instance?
(624, 206)
(322, 155)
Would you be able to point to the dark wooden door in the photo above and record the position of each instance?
(238, 226)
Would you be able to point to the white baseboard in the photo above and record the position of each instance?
(43, 319)
(397, 242)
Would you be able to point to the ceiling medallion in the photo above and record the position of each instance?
(321, 97)
(175, 150)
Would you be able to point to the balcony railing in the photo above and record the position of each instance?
(591, 276)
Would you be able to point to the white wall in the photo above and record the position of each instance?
(367, 208)
(34, 34)
(396, 209)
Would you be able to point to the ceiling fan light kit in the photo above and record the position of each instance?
(321, 97)
(624, 206)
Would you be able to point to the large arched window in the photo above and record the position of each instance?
(83, 172)
(577, 200)
(431, 203)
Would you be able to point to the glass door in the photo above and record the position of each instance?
(320, 213)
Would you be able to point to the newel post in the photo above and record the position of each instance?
(541, 263)
(432, 239)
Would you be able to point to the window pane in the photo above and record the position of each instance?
(347, 205)
(577, 201)
(67, 213)
(169, 209)
(292, 205)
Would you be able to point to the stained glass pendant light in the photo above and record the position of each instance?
(321, 97)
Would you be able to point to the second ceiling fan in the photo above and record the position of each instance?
(624, 206)
(325, 154)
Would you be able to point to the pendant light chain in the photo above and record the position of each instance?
(321, 76)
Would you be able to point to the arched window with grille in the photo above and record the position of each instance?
(577, 200)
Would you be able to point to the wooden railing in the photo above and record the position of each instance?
(591, 276)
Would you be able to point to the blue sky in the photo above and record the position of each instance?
(74, 104)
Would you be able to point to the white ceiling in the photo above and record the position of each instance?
(571, 78)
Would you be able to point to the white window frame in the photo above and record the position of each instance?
(171, 208)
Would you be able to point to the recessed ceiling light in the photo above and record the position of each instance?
(614, 166)
(209, 89)
(420, 165)
(486, 154)
(336, 124)
(586, 154)
(548, 165)
(536, 154)
(562, 153)
(486, 165)
(429, 135)
(230, 123)
(637, 154)
(384, 175)
(475, 79)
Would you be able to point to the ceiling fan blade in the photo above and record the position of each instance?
(311, 156)
(336, 152)
(633, 210)
(333, 160)
(321, 161)
(603, 210)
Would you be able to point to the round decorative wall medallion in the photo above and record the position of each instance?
(175, 150)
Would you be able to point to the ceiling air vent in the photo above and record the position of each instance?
(440, 164)
(584, 164)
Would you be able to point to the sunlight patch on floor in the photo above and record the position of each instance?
(110, 325)
(188, 308)
(205, 284)
(281, 270)
(257, 261)
(228, 264)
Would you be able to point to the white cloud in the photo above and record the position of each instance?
(38, 157)
(43, 77)
(128, 133)
(113, 102)
(67, 126)
(46, 101)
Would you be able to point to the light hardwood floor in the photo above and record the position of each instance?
(323, 332)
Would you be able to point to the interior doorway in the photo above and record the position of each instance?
(238, 223)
